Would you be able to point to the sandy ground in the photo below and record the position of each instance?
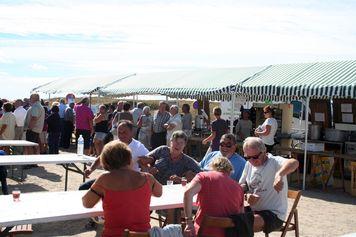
(321, 213)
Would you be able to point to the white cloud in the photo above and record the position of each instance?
(125, 36)
(38, 67)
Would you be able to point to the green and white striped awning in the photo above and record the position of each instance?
(79, 85)
(292, 81)
(214, 84)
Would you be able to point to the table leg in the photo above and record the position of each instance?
(342, 173)
(85, 167)
(66, 177)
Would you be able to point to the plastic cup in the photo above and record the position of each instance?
(16, 195)
(169, 182)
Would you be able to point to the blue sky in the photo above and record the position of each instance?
(45, 40)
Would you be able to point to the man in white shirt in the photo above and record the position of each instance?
(20, 115)
(124, 132)
(265, 177)
(174, 123)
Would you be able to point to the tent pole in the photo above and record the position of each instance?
(233, 99)
(90, 100)
(301, 117)
(306, 140)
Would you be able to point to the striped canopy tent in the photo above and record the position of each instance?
(79, 85)
(285, 82)
(213, 84)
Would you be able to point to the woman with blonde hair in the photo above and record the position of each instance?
(125, 193)
(218, 196)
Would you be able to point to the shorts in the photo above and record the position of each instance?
(100, 136)
(272, 222)
(86, 136)
(32, 136)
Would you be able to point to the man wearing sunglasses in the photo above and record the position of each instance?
(227, 148)
(265, 176)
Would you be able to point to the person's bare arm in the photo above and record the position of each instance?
(93, 195)
(93, 167)
(288, 167)
(193, 188)
(210, 138)
(265, 132)
(156, 186)
(2, 129)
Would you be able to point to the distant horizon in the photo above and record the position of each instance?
(43, 40)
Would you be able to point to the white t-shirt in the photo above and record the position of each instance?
(176, 120)
(137, 149)
(260, 181)
(20, 114)
(269, 139)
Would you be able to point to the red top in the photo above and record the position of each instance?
(128, 209)
(220, 196)
(83, 117)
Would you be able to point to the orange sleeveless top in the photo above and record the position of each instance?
(128, 209)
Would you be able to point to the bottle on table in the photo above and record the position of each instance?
(80, 145)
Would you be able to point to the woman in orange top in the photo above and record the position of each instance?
(125, 193)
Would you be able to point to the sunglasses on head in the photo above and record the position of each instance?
(228, 145)
(253, 157)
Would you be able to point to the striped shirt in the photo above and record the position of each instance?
(159, 120)
(166, 167)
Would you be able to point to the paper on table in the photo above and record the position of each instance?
(347, 118)
(346, 108)
(319, 117)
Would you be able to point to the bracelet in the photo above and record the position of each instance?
(188, 218)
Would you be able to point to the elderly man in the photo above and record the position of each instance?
(170, 163)
(174, 123)
(227, 148)
(159, 133)
(34, 122)
(265, 176)
(124, 131)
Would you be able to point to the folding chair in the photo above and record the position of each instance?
(128, 233)
(288, 225)
(216, 222)
(19, 229)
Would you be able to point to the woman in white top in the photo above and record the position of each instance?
(145, 123)
(268, 129)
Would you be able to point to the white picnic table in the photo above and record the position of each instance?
(43, 207)
(67, 160)
(17, 143)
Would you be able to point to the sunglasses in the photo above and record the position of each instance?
(266, 112)
(228, 145)
(254, 157)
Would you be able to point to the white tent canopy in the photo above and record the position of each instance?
(79, 85)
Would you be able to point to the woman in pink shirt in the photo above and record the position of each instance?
(218, 196)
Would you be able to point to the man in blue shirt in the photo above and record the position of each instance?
(227, 148)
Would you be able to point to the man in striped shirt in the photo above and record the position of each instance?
(159, 132)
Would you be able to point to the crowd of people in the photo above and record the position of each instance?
(141, 151)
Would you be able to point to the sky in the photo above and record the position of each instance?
(45, 40)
